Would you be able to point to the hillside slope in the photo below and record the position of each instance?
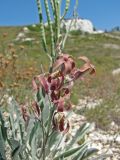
(102, 49)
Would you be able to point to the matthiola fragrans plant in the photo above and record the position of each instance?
(57, 86)
(37, 132)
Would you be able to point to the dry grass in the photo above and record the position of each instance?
(17, 69)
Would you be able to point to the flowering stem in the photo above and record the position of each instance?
(45, 133)
(42, 153)
(49, 123)
(43, 148)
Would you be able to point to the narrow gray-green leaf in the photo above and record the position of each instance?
(79, 134)
(15, 153)
(33, 132)
(70, 152)
(3, 128)
(80, 153)
(90, 152)
(2, 146)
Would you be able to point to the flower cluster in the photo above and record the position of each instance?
(57, 86)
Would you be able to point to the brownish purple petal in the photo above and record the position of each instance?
(43, 82)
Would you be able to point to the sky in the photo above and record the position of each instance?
(104, 14)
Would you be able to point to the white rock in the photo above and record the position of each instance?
(83, 25)
(9, 100)
(28, 39)
(98, 32)
(118, 139)
(34, 25)
(97, 136)
(88, 102)
(25, 30)
(14, 116)
(20, 36)
(92, 128)
(73, 133)
(114, 126)
(98, 146)
(110, 152)
(116, 72)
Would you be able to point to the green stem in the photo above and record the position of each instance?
(42, 28)
(49, 124)
(57, 19)
(45, 133)
(51, 29)
(66, 9)
(43, 142)
(42, 153)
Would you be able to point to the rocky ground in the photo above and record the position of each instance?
(107, 142)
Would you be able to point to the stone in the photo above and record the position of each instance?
(116, 72)
(9, 100)
(92, 128)
(79, 24)
(117, 140)
(83, 25)
(114, 127)
(98, 32)
(110, 152)
(20, 36)
(88, 102)
(25, 30)
(34, 25)
(28, 39)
